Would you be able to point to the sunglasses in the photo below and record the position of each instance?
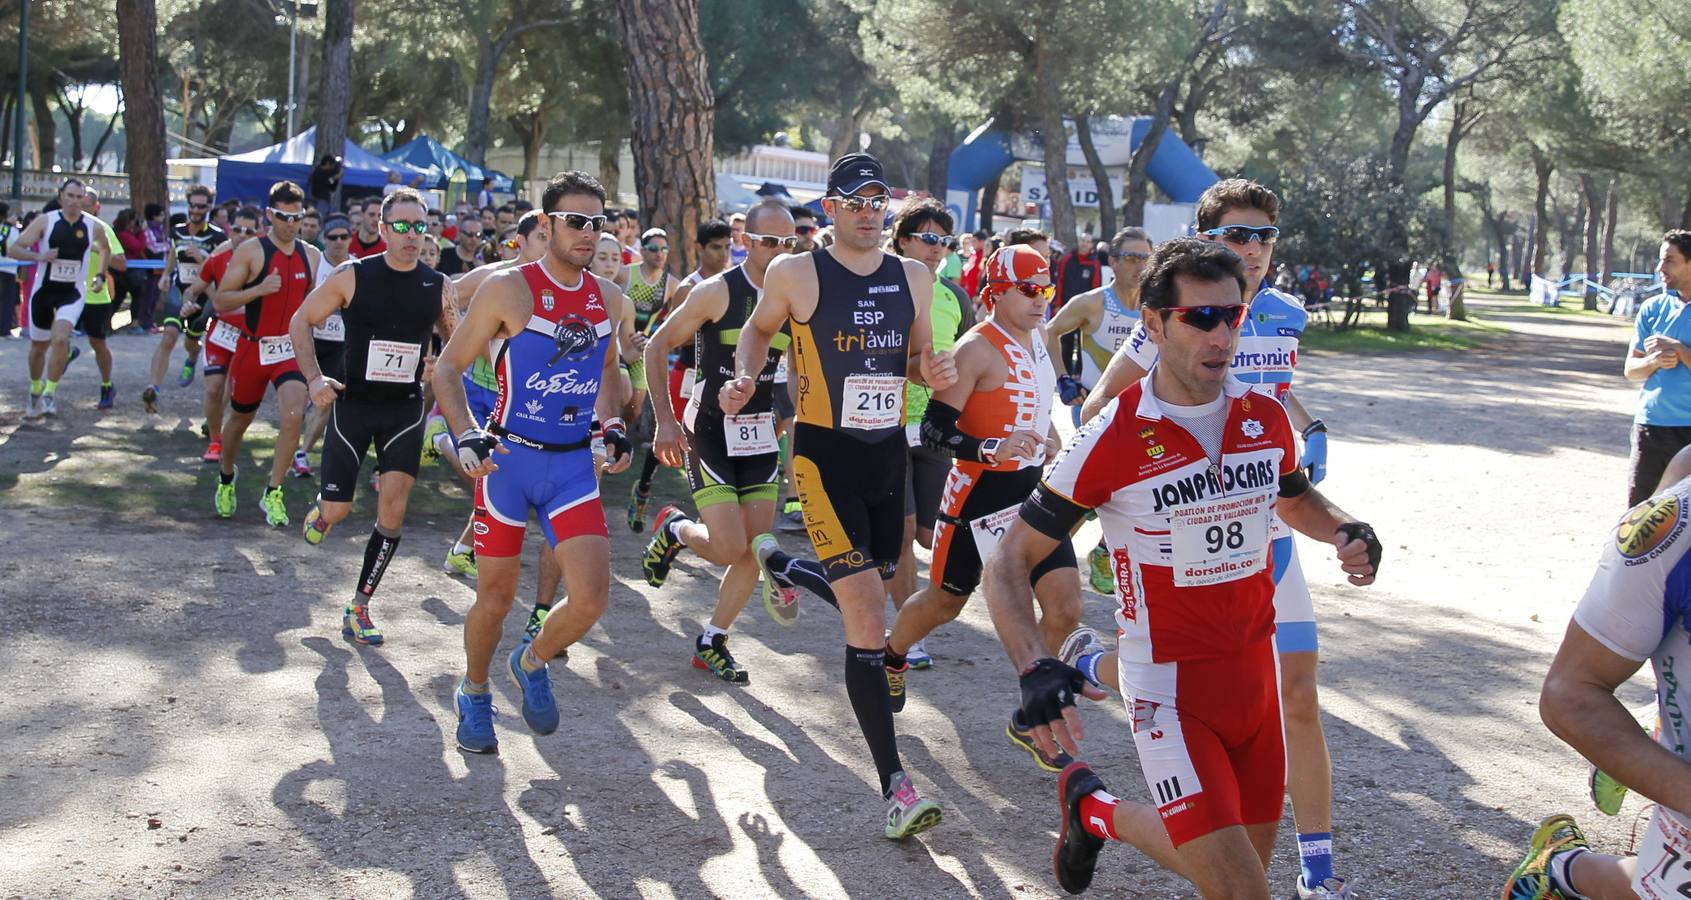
(403, 227)
(338, 236)
(242, 229)
(510, 243)
(655, 248)
(1029, 289)
(1245, 234)
(1135, 254)
(930, 238)
(856, 204)
(772, 241)
(581, 222)
(199, 206)
(803, 229)
(1205, 318)
(287, 217)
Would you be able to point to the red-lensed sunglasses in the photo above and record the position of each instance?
(1206, 318)
(1029, 289)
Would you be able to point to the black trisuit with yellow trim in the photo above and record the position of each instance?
(849, 453)
(732, 459)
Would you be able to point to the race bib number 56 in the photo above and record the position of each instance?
(872, 402)
(1220, 540)
(1664, 860)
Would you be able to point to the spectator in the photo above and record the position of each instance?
(325, 180)
(394, 183)
(1661, 360)
(9, 297)
(977, 252)
(484, 197)
(1435, 277)
(132, 234)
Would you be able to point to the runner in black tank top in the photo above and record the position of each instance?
(859, 318)
(391, 306)
(732, 461)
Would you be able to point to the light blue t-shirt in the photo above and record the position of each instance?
(1665, 398)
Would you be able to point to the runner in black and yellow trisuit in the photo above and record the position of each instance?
(858, 317)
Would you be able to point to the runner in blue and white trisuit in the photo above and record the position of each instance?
(62, 243)
(1634, 610)
(558, 322)
(1241, 214)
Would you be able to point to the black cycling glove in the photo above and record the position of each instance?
(1049, 686)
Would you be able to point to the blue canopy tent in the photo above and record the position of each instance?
(249, 175)
(444, 166)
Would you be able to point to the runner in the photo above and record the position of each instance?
(311, 229)
(367, 239)
(1104, 318)
(737, 251)
(1185, 471)
(389, 307)
(96, 320)
(996, 421)
(328, 340)
(1240, 215)
(62, 243)
(274, 273)
(557, 319)
(649, 291)
(223, 335)
(464, 253)
(191, 242)
(920, 231)
(858, 317)
(732, 461)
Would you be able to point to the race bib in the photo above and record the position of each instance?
(224, 334)
(187, 272)
(1664, 860)
(1220, 540)
(332, 329)
(988, 530)
(913, 433)
(275, 349)
(689, 376)
(781, 370)
(872, 402)
(392, 361)
(66, 271)
(752, 435)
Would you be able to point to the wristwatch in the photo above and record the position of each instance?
(989, 450)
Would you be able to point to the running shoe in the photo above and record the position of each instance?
(462, 563)
(780, 600)
(1606, 792)
(792, 518)
(224, 500)
(302, 465)
(1531, 879)
(1076, 855)
(33, 411)
(662, 549)
(907, 813)
(74, 353)
(637, 509)
(435, 431)
(539, 710)
(187, 376)
(108, 396)
(1334, 888)
(275, 511)
(150, 398)
(214, 451)
(316, 527)
(1082, 641)
(357, 627)
(1103, 575)
(714, 658)
(918, 656)
(475, 722)
(536, 620)
(49, 404)
(1023, 738)
(895, 685)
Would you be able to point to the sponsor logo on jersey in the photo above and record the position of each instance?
(1124, 585)
(882, 289)
(574, 336)
(1251, 428)
(1649, 528)
(534, 407)
(1156, 451)
(1214, 481)
(560, 383)
(1145, 717)
(592, 302)
(1147, 433)
(546, 301)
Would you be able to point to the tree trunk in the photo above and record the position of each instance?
(1570, 236)
(673, 112)
(1139, 167)
(46, 130)
(1053, 141)
(1107, 198)
(1594, 204)
(143, 102)
(1543, 166)
(1459, 123)
(846, 130)
(989, 204)
(610, 167)
(73, 122)
(105, 135)
(8, 106)
(1400, 298)
(1608, 267)
(939, 159)
(531, 129)
(481, 92)
(335, 100)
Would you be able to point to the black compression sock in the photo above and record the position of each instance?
(894, 660)
(377, 554)
(648, 471)
(804, 573)
(226, 477)
(866, 686)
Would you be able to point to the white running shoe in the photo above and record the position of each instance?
(49, 404)
(1334, 888)
(32, 410)
(907, 813)
(919, 657)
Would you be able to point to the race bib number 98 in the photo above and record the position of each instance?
(394, 362)
(752, 435)
(275, 349)
(872, 402)
(1664, 860)
(1220, 540)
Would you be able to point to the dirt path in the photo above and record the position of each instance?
(166, 666)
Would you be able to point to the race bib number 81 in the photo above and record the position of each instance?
(752, 435)
(872, 402)
(1220, 540)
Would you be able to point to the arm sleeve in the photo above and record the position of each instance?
(1082, 478)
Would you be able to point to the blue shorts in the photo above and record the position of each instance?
(561, 487)
(481, 401)
(1294, 609)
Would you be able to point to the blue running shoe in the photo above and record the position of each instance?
(539, 710)
(475, 722)
(187, 376)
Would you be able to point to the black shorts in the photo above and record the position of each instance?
(193, 326)
(972, 494)
(853, 498)
(784, 408)
(715, 477)
(331, 358)
(924, 485)
(96, 320)
(396, 430)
